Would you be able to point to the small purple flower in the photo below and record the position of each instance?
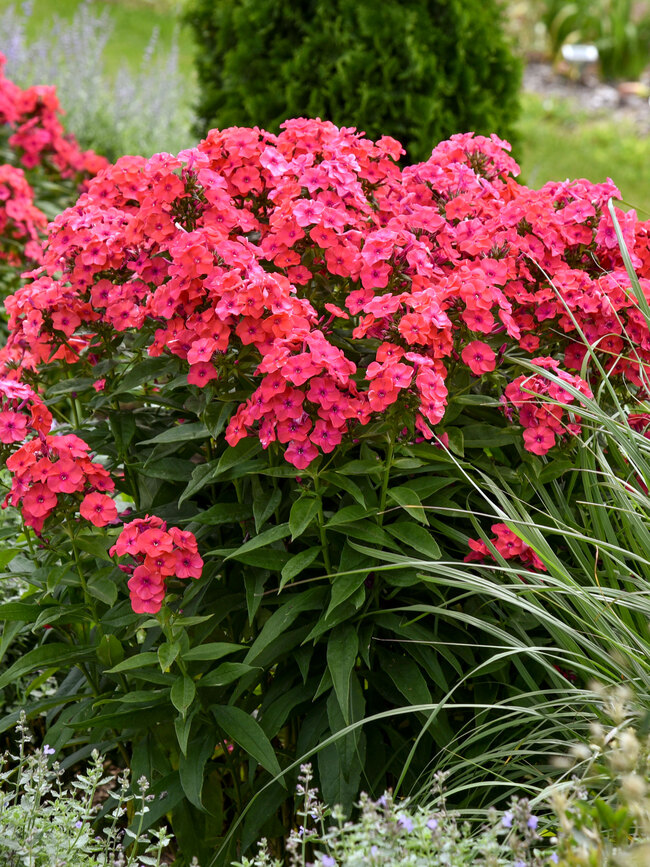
(374, 851)
(533, 822)
(519, 864)
(78, 824)
(328, 861)
(406, 822)
(48, 750)
(506, 821)
(555, 858)
(432, 824)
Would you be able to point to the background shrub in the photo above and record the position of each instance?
(419, 71)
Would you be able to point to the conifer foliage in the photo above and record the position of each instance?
(418, 70)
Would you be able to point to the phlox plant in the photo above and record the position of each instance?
(276, 367)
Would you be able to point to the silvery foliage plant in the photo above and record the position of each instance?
(131, 112)
(388, 833)
(44, 823)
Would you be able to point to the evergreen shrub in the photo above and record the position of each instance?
(419, 70)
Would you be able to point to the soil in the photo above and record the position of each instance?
(627, 101)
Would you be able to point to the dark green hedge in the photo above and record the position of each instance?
(419, 70)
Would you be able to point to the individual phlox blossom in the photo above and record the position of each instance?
(509, 546)
(479, 357)
(48, 468)
(99, 509)
(160, 552)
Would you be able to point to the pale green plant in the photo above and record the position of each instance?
(389, 832)
(46, 823)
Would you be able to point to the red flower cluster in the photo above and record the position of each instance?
(311, 270)
(20, 220)
(509, 545)
(48, 468)
(21, 412)
(160, 552)
(38, 135)
(540, 403)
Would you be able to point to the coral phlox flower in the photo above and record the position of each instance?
(479, 357)
(99, 509)
(160, 553)
(49, 467)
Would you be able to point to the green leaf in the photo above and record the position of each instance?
(182, 693)
(201, 476)
(367, 531)
(182, 726)
(169, 469)
(225, 673)
(415, 537)
(179, 433)
(54, 655)
(191, 768)
(109, 650)
(488, 436)
(212, 650)
(346, 514)
(361, 467)
(102, 587)
(342, 648)
(123, 428)
(281, 619)
(298, 563)
(23, 611)
(343, 586)
(247, 732)
(264, 505)
(337, 481)
(456, 441)
(137, 661)
(143, 371)
(274, 534)
(407, 677)
(410, 502)
(303, 512)
(167, 653)
(216, 417)
(223, 513)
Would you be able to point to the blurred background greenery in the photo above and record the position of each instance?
(558, 139)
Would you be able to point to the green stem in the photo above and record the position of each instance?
(384, 482)
(321, 530)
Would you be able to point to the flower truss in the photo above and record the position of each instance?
(21, 221)
(289, 258)
(37, 135)
(160, 553)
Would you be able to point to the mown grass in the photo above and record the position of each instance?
(134, 25)
(558, 142)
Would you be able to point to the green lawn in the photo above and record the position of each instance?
(135, 21)
(558, 143)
